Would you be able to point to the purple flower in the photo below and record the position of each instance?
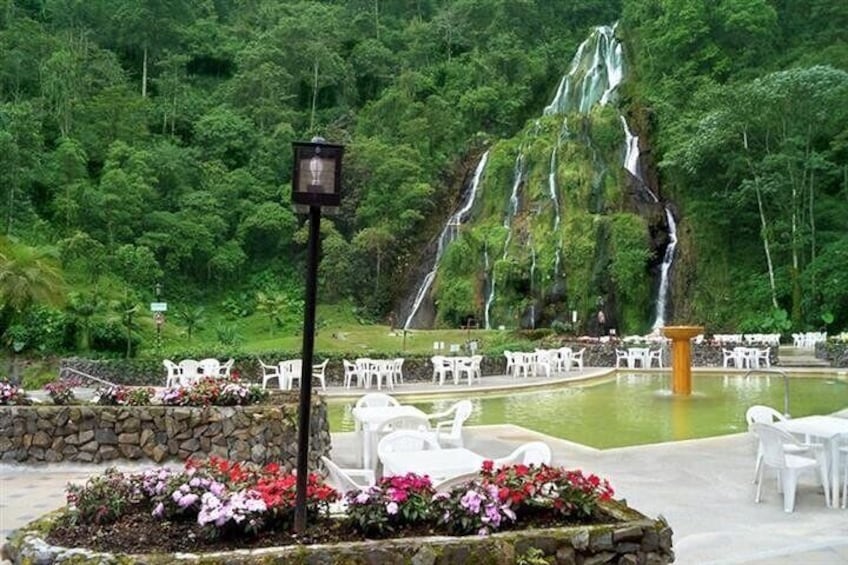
(471, 501)
(159, 510)
(362, 498)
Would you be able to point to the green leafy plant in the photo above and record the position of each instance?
(393, 502)
(62, 390)
(13, 395)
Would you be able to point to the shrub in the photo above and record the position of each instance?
(222, 496)
(393, 502)
(62, 390)
(214, 391)
(122, 396)
(13, 395)
(473, 508)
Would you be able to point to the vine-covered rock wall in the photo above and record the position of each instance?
(94, 434)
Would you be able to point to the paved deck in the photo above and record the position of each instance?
(702, 487)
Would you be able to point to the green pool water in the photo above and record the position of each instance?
(631, 409)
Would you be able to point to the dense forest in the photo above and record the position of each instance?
(146, 152)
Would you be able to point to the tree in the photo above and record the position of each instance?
(28, 276)
(191, 317)
(273, 306)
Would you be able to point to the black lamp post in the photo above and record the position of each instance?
(316, 182)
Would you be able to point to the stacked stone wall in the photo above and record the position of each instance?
(94, 434)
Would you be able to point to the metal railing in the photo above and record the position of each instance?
(64, 370)
(785, 385)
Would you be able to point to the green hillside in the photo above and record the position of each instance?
(149, 143)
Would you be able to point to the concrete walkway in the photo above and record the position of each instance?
(702, 487)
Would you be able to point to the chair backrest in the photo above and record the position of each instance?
(376, 400)
(337, 478)
(210, 367)
(759, 414)
(349, 367)
(449, 484)
(266, 368)
(773, 440)
(408, 422)
(320, 367)
(171, 367)
(406, 440)
(189, 367)
(227, 367)
(462, 411)
(531, 453)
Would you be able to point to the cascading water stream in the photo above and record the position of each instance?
(448, 234)
(552, 187)
(512, 210)
(491, 297)
(532, 277)
(631, 163)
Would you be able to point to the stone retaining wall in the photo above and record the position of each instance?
(835, 352)
(93, 434)
(637, 540)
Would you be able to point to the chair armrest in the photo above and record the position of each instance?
(446, 424)
(436, 415)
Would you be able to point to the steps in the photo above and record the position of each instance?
(799, 357)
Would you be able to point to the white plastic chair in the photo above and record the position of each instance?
(728, 356)
(351, 371)
(531, 453)
(209, 367)
(172, 375)
(510, 363)
(759, 414)
(621, 355)
(577, 359)
(441, 367)
(406, 440)
(449, 432)
(543, 362)
(344, 479)
(226, 368)
(376, 400)
(788, 465)
(450, 483)
(270, 372)
(397, 370)
(843, 455)
(655, 355)
(318, 372)
(189, 372)
(563, 360)
(291, 371)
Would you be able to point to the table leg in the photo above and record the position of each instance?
(833, 445)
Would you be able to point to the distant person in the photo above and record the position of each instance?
(602, 323)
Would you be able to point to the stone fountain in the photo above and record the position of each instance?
(681, 356)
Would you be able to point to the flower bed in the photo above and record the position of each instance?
(225, 512)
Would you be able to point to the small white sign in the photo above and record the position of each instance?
(158, 306)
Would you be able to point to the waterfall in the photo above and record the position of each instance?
(552, 187)
(662, 295)
(532, 276)
(593, 77)
(590, 80)
(491, 297)
(448, 234)
(512, 209)
(631, 163)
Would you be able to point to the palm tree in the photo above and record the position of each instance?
(28, 276)
(191, 318)
(273, 306)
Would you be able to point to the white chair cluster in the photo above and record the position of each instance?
(189, 371)
(772, 340)
(638, 356)
(457, 367)
(808, 340)
(368, 371)
(545, 362)
(746, 357)
(398, 439)
(291, 370)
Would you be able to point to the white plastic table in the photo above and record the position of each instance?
(830, 430)
(438, 464)
(369, 418)
(640, 354)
